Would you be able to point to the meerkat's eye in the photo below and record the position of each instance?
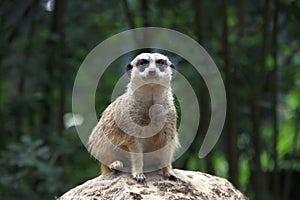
(161, 62)
(143, 62)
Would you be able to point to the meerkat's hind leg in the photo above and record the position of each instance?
(116, 165)
(167, 171)
(167, 155)
(105, 169)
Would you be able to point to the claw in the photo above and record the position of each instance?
(140, 178)
(172, 177)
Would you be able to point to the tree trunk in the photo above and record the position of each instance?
(288, 178)
(145, 12)
(199, 19)
(28, 14)
(275, 101)
(128, 15)
(144, 8)
(259, 179)
(54, 63)
(232, 151)
(60, 7)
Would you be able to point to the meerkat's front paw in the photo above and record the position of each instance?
(140, 178)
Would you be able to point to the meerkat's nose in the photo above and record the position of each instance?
(152, 71)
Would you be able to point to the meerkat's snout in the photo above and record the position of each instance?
(151, 72)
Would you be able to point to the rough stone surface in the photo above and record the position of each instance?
(190, 185)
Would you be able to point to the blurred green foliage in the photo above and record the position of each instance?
(42, 48)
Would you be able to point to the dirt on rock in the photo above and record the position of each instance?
(190, 185)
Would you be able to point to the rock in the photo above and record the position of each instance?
(190, 185)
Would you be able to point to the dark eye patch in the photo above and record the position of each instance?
(142, 62)
(161, 62)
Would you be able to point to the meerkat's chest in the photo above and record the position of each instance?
(150, 108)
(139, 113)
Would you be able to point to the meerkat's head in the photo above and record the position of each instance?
(149, 68)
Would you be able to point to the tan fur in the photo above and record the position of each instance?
(131, 113)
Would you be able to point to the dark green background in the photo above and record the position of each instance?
(255, 45)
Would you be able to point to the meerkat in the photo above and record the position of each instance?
(137, 132)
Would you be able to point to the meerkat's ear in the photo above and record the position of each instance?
(173, 70)
(128, 69)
